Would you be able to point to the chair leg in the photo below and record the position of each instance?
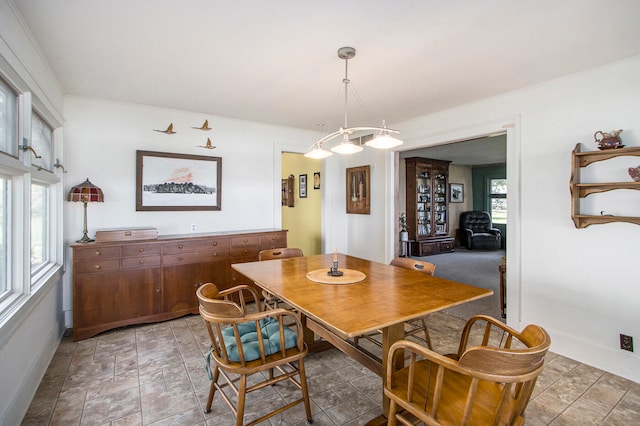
(426, 334)
(391, 420)
(212, 389)
(242, 393)
(305, 390)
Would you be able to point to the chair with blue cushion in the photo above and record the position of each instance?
(245, 344)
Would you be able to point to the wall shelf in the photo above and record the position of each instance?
(581, 190)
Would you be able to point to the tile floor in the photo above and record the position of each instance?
(154, 375)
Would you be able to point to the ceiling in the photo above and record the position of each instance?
(276, 61)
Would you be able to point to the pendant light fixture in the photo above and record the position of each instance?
(383, 140)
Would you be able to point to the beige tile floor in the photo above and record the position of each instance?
(154, 375)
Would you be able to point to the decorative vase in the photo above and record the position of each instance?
(404, 236)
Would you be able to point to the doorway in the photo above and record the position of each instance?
(302, 217)
(475, 165)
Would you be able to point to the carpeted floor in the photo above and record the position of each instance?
(475, 267)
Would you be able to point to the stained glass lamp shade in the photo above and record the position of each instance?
(86, 192)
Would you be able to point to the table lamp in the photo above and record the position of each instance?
(86, 192)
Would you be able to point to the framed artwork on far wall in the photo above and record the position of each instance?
(177, 182)
(303, 186)
(358, 190)
(316, 180)
(456, 193)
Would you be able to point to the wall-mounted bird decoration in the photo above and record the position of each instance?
(204, 127)
(169, 130)
(208, 145)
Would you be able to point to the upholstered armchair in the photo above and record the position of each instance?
(477, 231)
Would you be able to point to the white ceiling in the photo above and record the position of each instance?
(276, 61)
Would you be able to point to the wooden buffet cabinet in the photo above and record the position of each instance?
(132, 282)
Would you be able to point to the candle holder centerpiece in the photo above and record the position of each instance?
(333, 271)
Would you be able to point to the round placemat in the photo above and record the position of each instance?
(349, 276)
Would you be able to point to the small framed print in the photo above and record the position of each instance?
(316, 180)
(358, 199)
(456, 193)
(303, 186)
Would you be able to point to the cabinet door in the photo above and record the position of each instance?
(182, 281)
(106, 300)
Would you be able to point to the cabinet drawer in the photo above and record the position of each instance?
(195, 245)
(140, 249)
(97, 266)
(446, 246)
(141, 262)
(96, 252)
(245, 242)
(271, 241)
(248, 253)
(193, 257)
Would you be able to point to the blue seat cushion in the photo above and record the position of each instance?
(269, 333)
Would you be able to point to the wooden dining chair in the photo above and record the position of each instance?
(418, 325)
(246, 344)
(271, 301)
(414, 326)
(489, 380)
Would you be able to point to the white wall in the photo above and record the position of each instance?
(580, 284)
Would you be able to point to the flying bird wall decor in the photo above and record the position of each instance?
(169, 130)
(208, 145)
(205, 126)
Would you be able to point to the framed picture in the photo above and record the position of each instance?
(303, 186)
(358, 190)
(456, 193)
(174, 182)
(316, 180)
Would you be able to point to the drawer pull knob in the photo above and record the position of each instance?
(98, 253)
(142, 262)
(245, 240)
(180, 246)
(215, 243)
(98, 266)
(158, 290)
(141, 249)
(215, 254)
(273, 238)
(180, 258)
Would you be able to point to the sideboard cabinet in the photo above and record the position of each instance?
(123, 283)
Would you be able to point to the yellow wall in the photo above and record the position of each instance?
(302, 220)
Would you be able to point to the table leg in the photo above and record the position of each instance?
(390, 335)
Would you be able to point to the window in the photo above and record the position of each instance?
(498, 200)
(42, 141)
(8, 120)
(39, 226)
(4, 235)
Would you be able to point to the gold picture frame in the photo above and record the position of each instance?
(359, 190)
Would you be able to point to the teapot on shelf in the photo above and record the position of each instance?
(608, 140)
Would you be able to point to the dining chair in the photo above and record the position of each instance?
(489, 380)
(271, 301)
(246, 344)
(418, 325)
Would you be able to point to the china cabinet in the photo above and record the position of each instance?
(427, 207)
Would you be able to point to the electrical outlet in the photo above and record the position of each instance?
(626, 342)
(193, 227)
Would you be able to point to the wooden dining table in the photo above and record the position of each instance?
(382, 300)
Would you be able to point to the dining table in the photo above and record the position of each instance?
(341, 297)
